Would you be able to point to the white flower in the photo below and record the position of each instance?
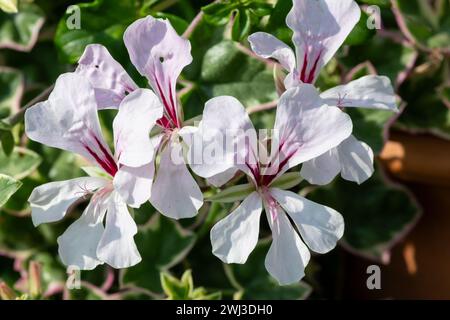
(68, 120)
(159, 54)
(305, 127)
(320, 27)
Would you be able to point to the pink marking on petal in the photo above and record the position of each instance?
(305, 66)
(169, 110)
(312, 73)
(105, 160)
(271, 203)
(109, 159)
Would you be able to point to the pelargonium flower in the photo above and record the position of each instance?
(68, 120)
(305, 127)
(320, 27)
(159, 54)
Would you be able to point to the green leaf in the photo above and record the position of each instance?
(241, 25)
(423, 22)
(8, 186)
(287, 181)
(217, 13)
(18, 203)
(9, 6)
(7, 141)
(163, 243)
(177, 289)
(226, 70)
(233, 194)
(425, 110)
(377, 214)
(396, 58)
(20, 31)
(253, 282)
(102, 22)
(11, 90)
(183, 289)
(21, 163)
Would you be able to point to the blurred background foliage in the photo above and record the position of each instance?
(37, 43)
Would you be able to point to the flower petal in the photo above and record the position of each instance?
(220, 142)
(135, 184)
(50, 202)
(374, 92)
(323, 169)
(117, 247)
(137, 115)
(68, 120)
(234, 237)
(154, 43)
(78, 244)
(220, 179)
(320, 227)
(267, 46)
(110, 80)
(288, 255)
(160, 54)
(320, 27)
(175, 192)
(307, 127)
(356, 159)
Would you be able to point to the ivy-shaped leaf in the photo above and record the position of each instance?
(423, 23)
(377, 214)
(183, 289)
(19, 31)
(9, 6)
(20, 163)
(8, 186)
(228, 71)
(241, 14)
(11, 91)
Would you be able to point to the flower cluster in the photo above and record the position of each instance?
(153, 147)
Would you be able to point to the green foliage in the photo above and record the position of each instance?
(8, 186)
(9, 6)
(20, 163)
(382, 214)
(183, 289)
(242, 15)
(19, 31)
(427, 24)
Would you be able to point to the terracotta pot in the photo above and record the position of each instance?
(420, 264)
